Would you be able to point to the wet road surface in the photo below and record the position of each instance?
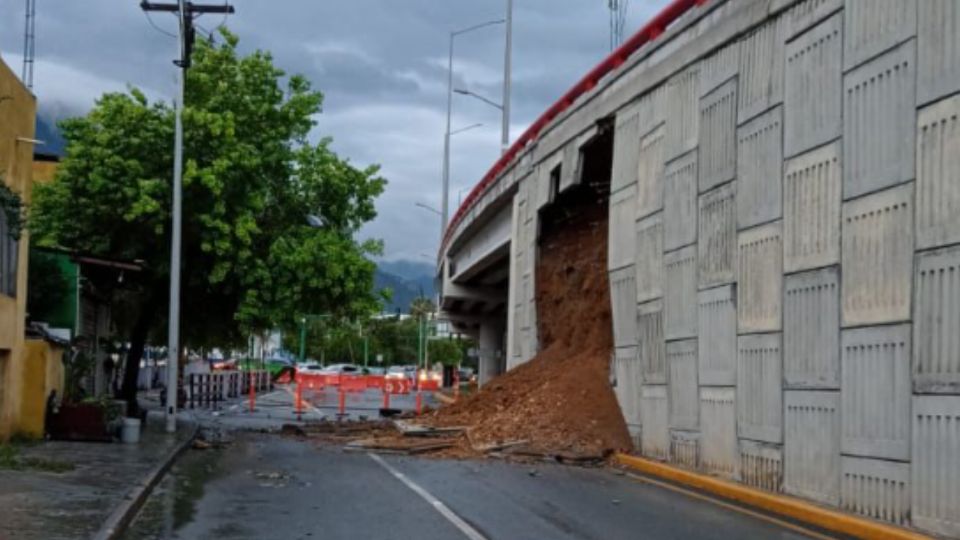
(266, 487)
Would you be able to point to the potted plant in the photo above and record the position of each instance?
(80, 417)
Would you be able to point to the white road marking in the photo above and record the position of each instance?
(436, 503)
(305, 402)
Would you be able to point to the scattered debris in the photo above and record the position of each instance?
(561, 401)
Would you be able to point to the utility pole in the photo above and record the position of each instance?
(507, 79)
(186, 11)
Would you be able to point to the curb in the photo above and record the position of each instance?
(123, 514)
(782, 505)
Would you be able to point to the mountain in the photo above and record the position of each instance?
(48, 132)
(407, 279)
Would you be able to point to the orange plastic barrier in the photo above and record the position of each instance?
(352, 383)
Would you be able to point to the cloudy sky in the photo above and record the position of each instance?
(382, 65)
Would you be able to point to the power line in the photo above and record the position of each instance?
(157, 28)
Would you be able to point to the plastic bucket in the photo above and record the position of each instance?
(130, 434)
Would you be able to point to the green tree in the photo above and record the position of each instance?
(448, 352)
(421, 307)
(251, 177)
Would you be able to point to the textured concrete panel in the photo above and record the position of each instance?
(718, 146)
(759, 279)
(811, 209)
(626, 141)
(760, 169)
(813, 89)
(718, 336)
(879, 122)
(680, 202)
(938, 49)
(873, 26)
(876, 489)
(650, 258)
(760, 398)
(683, 113)
(761, 69)
(680, 293)
(761, 465)
(623, 294)
(807, 13)
(651, 343)
(878, 257)
(719, 67)
(936, 363)
(812, 445)
(935, 476)
(718, 415)
(938, 174)
(627, 390)
(685, 448)
(568, 163)
(652, 108)
(682, 381)
(654, 412)
(650, 177)
(811, 329)
(876, 392)
(622, 237)
(717, 241)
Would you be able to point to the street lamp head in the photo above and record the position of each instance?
(461, 91)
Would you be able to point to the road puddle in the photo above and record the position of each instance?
(172, 505)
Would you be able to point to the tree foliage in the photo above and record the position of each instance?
(251, 178)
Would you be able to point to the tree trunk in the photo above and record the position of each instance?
(138, 341)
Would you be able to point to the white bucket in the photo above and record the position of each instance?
(130, 434)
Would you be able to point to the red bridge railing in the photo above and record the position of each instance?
(649, 32)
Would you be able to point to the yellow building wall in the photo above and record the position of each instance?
(42, 373)
(44, 171)
(18, 109)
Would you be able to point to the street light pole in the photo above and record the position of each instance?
(445, 203)
(507, 79)
(444, 212)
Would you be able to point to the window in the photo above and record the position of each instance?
(8, 258)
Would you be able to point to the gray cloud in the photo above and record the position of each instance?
(380, 63)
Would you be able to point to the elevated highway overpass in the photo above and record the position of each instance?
(782, 184)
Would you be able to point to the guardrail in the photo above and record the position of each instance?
(653, 29)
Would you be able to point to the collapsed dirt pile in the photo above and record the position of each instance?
(561, 402)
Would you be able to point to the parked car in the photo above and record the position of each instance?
(399, 372)
(342, 369)
(310, 368)
(466, 375)
(374, 371)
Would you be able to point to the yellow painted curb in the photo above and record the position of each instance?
(777, 504)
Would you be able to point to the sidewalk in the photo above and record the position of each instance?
(49, 506)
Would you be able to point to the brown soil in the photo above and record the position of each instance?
(561, 401)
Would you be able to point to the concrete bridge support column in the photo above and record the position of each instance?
(490, 344)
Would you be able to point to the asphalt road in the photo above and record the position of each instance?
(269, 487)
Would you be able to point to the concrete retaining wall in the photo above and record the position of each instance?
(795, 253)
(784, 247)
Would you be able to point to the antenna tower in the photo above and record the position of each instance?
(618, 21)
(29, 40)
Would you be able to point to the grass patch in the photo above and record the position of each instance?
(10, 459)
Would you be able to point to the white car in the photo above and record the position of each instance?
(341, 369)
(311, 368)
(400, 372)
